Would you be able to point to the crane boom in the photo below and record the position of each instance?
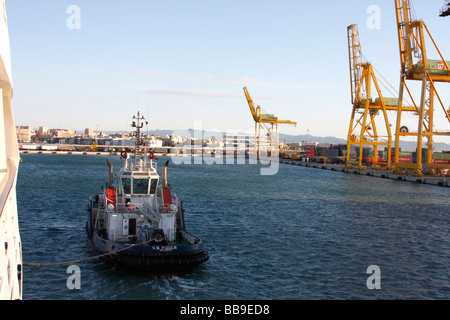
(364, 128)
(265, 122)
(355, 60)
(263, 117)
(250, 104)
(406, 44)
(415, 65)
(413, 52)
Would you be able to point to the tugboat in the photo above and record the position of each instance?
(138, 222)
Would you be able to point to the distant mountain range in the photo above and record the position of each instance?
(404, 145)
(309, 138)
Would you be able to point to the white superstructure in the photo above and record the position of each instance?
(10, 244)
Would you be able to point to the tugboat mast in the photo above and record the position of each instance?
(138, 123)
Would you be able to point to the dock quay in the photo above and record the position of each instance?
(384, 174)
(103, 153)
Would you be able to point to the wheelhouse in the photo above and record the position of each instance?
(137, 183)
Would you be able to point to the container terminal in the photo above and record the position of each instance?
(326, 158)
(373, 141)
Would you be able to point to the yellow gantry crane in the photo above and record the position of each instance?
(266, 139)
(364, 131)
(416, 67)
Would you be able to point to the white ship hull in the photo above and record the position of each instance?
(10, 248)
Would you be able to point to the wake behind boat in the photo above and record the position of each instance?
(138, 222)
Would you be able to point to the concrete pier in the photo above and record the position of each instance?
(433, 180)
(103, 153)
(384, 174)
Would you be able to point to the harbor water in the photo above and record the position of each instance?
(302, 233)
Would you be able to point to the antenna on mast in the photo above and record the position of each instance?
(138, 123)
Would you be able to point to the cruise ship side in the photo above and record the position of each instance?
(10, 243)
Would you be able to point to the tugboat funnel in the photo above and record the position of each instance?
(164, 175)
(111, 179)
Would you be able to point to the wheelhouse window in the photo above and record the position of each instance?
(153, 185)
(140, 186)
(126, 185)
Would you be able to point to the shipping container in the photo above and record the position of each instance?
(370, 160)
(405, 159)
(389, 102)
(441, 161)
(437, 66)
(403, 153)
(268, 116)
(441, 156)
(320, 159)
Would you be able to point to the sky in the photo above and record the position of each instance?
(184, 63)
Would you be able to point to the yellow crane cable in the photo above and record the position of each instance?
(387, 82)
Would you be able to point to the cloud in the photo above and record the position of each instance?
(191, 92)
(211, 79)
(206, 93)
(239, 80)
(199, 77)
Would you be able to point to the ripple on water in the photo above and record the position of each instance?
(300, 234)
